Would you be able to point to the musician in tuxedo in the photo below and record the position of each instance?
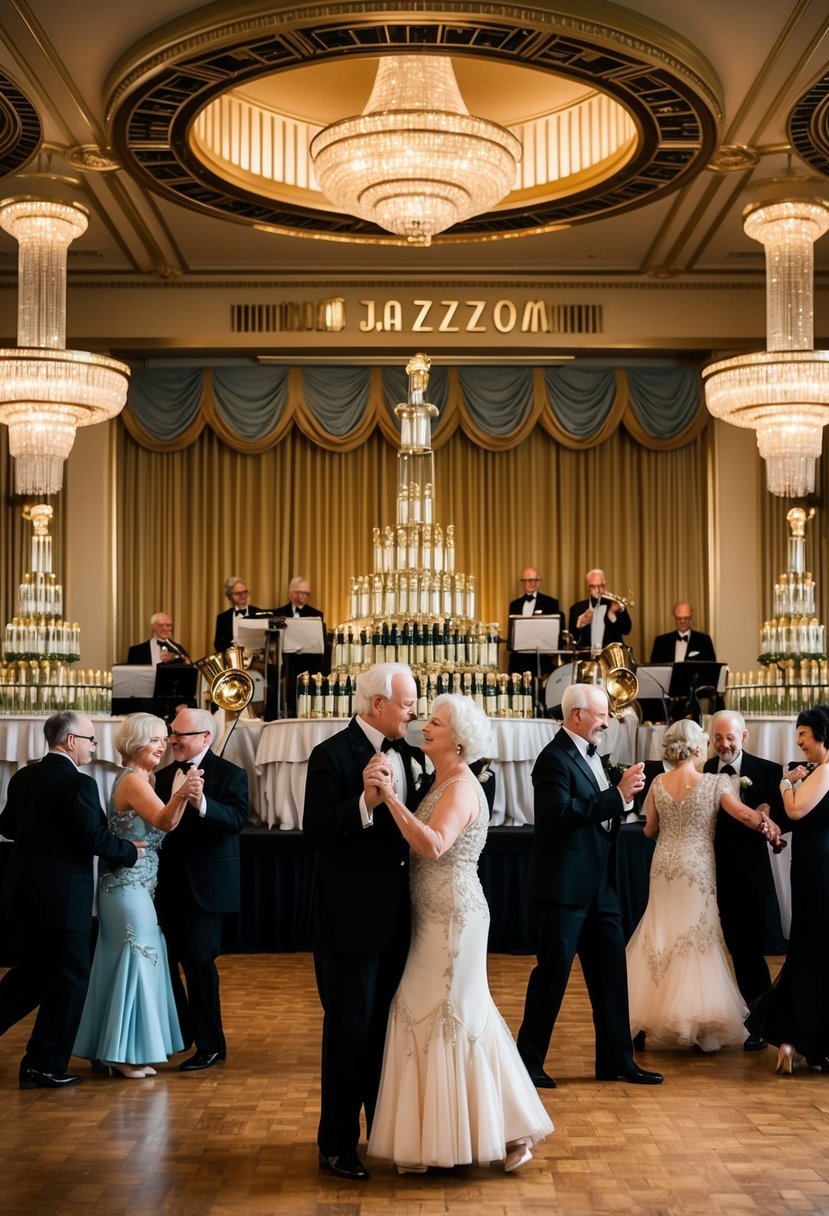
(577, 811)
(198, 880)
(359, 900)
(532, 602)
(53, 815)
(299, 593)
(683, 644)
(745, 885)
(599, 620)
(159, 647)
(235, 590)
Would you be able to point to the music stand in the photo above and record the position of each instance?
(175, 684)
(132, 689)
(654, 685)
(696, 676)
(534, 635)
(250, 632)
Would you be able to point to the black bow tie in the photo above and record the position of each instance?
(392, 745)
(184, 766)
(728, 770)
(529, 598)
(592, 748)
(682, 637)
(240, 611)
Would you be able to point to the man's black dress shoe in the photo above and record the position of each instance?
(632, 1073)
(755, 1042)
(345, 1165)
(202, 1059)
(541, 1079)
(32, 1078)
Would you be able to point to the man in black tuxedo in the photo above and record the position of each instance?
(532, 602)
(597, 621)
(53, 814)
(299, 593)
(683, 644)
(577, 811)
(745, 885)
(198, 880)
(159, 647)
(236, 590)
(359, 900)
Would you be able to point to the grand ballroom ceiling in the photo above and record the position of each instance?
(126, 101)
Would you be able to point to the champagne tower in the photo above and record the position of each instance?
(794, 672)
(40, 648)
(414, 606)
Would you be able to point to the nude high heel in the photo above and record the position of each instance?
(787, 1060)
(126, 1070)
(519, 1153)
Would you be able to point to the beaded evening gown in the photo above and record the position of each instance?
(680, 985)
(453, 1089)
(130, 1015)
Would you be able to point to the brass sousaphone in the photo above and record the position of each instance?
(231, 687)
(618, 670)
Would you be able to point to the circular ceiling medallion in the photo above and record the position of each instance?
(20, 129)
(734, 158)
(92, 158)
(216, 112)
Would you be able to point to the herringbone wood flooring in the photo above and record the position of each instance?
(723, 1136)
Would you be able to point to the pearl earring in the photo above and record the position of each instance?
(459, 749)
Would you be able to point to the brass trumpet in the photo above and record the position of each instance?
(626, 601)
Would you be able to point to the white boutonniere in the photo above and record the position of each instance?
(746, 783)
(615, 770)
(485, 774)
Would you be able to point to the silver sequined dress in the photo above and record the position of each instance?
(681, 987)
(454, 1089)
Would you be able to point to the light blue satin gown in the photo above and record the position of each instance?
(130, 1015)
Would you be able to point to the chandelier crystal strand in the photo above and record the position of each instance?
(47, 391)
(415, 162)
(783, 392)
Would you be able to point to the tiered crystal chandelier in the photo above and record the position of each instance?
(47, 391)
(415, 161)
(782, 392)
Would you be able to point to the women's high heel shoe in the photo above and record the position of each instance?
(126, 1070)
(149, 1071)
(519, 1153)
(410, 1169)
(787, 1060)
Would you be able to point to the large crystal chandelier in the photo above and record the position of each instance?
(782, 392)
(47, 391)
(415, 161)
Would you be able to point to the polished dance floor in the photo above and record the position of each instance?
(723, 1136)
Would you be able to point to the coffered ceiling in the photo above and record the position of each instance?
(721, 96)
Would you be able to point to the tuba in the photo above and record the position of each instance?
(618, 669)
(231, 687)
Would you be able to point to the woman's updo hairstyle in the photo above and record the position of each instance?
(817, 719)
(681, 740)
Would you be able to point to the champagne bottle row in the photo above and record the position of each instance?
(415, 593)
(499, 696)
(780, 690)
(416, 642)
(42, 687)
(793, 635)
(794, 595)
(39, 595)
(41, 638)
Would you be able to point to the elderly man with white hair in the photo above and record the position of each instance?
(198, 879)
(745, 884)
(577, 811)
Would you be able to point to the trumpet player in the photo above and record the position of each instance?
(600, 619)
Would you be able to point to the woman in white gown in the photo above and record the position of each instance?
(680, 984)
(453, 1089)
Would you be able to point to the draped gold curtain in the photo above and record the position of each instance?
(188, 519)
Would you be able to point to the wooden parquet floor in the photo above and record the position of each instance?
(724, 1136)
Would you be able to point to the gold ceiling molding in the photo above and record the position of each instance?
(666, 89)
